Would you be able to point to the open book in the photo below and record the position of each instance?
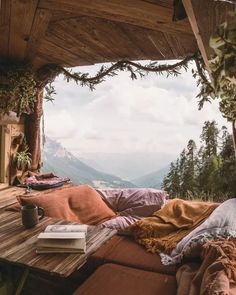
(62, 239)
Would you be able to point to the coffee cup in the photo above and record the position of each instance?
(31, 214)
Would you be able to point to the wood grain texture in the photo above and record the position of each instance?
(57, 54)
(38, 30)
(8, 194)
(18, 246)
(81, 32)
(204, 17)
(4, 27)
(22, 16)
(136, 12)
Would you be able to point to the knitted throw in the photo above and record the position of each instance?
(166, 227)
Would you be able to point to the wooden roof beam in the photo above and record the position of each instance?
(193, 19)
(38, 31)
(22, 16)
(135, 12)
(204, 17)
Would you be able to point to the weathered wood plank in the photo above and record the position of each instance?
(120, 44)
(136, 12)
(195, 27)
(58, 54)
(8, 195)
(82, 38)
(38, 30)
(174, 46)
(204, 16)
(58, 34)
(4, 27)
(18, 246)
(22, 16)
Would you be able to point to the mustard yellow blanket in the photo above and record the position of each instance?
(166, 227)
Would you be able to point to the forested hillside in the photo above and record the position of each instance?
(208, 172)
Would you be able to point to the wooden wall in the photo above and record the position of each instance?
(10, 129)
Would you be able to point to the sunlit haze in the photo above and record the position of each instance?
(141, 124)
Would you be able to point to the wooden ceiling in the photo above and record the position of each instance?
(82, 32)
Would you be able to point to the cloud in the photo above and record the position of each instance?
(154, 114)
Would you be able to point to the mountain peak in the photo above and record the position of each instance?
(63, 163)
(55, 148)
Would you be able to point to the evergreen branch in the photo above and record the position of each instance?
(48, 73)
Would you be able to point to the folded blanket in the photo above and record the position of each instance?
(216, 275)
(217, 225)
(167, 226)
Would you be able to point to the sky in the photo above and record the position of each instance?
(145, 123)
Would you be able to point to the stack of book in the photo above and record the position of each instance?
(62, 239)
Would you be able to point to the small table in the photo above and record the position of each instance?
(18, 247)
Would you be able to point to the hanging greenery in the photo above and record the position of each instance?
(223, 67)
(48, 73)
(17, 87)
(222, 83)
(18, 83)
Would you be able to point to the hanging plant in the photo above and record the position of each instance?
(17, 87)
(223, 67)
(222, 81)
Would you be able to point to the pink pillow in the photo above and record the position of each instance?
(132, 205)
(77, 203)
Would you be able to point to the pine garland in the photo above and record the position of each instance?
(48, 73)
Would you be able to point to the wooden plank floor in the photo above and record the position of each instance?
(8, 195)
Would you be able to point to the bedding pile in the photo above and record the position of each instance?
(131, 205)
(166, 227)
(216, 275)
(220, 224)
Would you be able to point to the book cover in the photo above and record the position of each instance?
(67, 228)
(62, 239)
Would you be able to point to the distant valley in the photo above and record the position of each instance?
(58, 160)
(153, 179)
(63, 163)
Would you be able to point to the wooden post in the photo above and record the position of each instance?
(32, 132)
(195, 27)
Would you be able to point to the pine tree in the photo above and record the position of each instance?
(228, 168)
(189, 177)
(171, 183)
(210, 172)
(209, 162)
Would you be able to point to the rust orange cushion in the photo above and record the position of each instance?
(79, 203)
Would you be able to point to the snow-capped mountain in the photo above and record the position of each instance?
(63, 163)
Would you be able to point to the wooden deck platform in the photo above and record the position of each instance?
(52, 273)
(8, 195)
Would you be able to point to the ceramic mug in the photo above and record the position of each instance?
(30, 215)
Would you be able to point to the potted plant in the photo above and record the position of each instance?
(22, 160)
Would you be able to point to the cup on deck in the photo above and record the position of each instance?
(30, 215)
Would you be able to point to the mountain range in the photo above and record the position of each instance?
(153, 179)
(61, 162)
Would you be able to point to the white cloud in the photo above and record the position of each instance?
(154, 114)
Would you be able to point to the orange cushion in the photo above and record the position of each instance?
(125, 251)
(78, 203)
(116, 280)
